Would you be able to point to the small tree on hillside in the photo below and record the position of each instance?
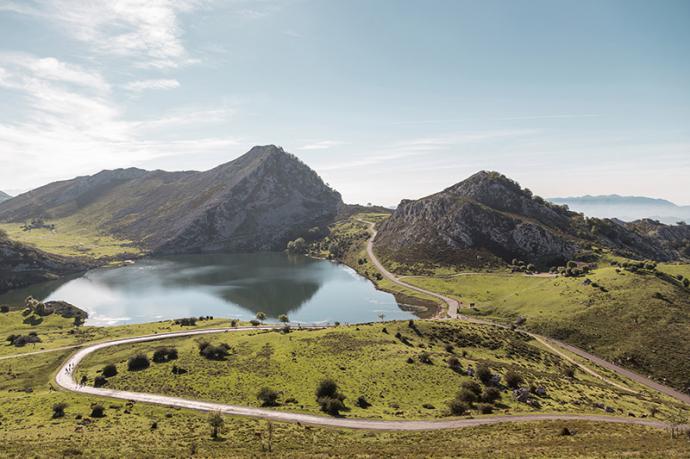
(216, 422)
(260, 316)
(284, 318)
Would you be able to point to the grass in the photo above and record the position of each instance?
(639, 320)
(365, 361)
(72, 237)
(374, 365)
(56, 332)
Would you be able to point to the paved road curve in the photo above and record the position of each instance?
(549, 342)
(65, 379)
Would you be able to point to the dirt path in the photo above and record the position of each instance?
(552, 344)
(65, 380)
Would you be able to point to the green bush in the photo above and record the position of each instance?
(164, 354)
(109, 370)
(59, 410)
(268, 397)
(457, 407)
(513, 379)
(138, 362)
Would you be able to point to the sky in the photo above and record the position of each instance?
(385, 99)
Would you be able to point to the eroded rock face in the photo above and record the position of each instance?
(490, 218)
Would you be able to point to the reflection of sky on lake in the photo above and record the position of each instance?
(222, 285)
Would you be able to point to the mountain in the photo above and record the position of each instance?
(22, 265)
(4, 196)
(490, 219)
(259, 201)
(627, 208)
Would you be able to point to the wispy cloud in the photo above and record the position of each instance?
(145, 30)
(142, 85)
(72, 125)
(321, 145)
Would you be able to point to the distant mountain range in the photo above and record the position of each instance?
(4, 196)
(627, 208)
(490, 219)
(259, 201)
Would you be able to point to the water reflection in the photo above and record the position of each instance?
(224, 285)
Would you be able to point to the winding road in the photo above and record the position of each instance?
(65, 380)
(552, 344)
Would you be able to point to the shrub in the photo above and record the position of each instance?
(513, 379)
(109, 370)
(332, 405)
(486, 409)
(467, 396)
(484, 374)
(472, 386)
(425, 357)
(569, 372)
(218, 352)
(267, 397)
(457, 407)
(449, 348)
(234, 322)
(186, 322)
(138, 362)
(326, 388)
(97, 411)
(255, 323)
(164, 354)
(454, 364)
(260, 316)
(329, 398)
(362, 402)
(4, 309)
(284, 318)
(59, 410)
(490, 395)
(99, 381)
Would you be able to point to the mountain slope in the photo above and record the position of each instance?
(490, 219)
(627, 208)
(257, 202)
(22, 265)
(4, 196)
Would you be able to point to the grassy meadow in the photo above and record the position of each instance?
(72, 237)
(386, 367)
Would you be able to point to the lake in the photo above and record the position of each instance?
(220, 285)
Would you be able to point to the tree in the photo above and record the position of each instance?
(216, 422)
(99, 381)
(298, 246)
(284, 318)
(261, 316)
(267, 397)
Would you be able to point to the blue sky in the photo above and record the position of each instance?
(385, 99)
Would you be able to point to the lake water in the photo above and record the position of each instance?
(221, 285)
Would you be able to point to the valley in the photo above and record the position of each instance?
(458, 348)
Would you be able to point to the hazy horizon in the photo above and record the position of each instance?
(385, 100)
